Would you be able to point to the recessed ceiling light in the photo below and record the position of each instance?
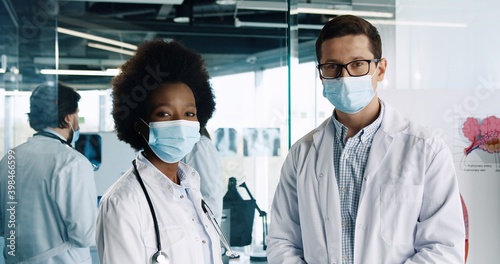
(226, 2)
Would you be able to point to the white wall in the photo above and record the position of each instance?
(117, 158)
(450, 64)
(438, 109)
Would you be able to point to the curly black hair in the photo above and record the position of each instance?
(157, 62)
(50, 104)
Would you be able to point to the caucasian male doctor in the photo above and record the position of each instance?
(367, 185)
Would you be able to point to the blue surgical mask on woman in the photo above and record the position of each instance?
(349, 94)
(172, 140)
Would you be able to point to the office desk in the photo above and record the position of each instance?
(245, 259)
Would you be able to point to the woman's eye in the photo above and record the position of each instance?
(163, 114)
(190, 114)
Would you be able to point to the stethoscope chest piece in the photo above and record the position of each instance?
(161, 258)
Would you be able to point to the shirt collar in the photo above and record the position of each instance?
(366, 134)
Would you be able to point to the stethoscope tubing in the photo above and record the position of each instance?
(229, 252)
(151, 208)
(205, 208)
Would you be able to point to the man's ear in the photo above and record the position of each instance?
(382, 66)
(319, 75)
(69, 120)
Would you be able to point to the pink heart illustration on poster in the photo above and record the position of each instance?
(483, 134)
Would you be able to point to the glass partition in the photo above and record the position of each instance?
(8, 59)
(245, 47)
(25, 34)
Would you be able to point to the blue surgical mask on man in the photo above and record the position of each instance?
(172, 140)
(349, 94)
(76, 134)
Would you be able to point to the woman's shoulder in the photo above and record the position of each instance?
(126, 189)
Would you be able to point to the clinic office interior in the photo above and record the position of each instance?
(443, 67)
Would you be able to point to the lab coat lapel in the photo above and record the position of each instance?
(196, 196)
(392, 123)
(328, 187)
(325, 174)
(380, 144)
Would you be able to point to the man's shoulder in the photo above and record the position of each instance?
(320, 129)
(398, 125)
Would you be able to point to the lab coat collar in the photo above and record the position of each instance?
(392, 123)
(52, 131)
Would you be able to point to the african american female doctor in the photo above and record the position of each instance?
(154, 211)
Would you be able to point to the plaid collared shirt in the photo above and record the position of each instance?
(350, 159)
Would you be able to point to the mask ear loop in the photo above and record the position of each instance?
(139, 131)
(374, 73)
(72, 130)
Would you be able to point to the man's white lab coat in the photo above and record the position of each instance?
(409, 207)
(56, 203)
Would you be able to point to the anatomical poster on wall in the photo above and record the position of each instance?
(478, 138)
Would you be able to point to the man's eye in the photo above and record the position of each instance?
(330, 67)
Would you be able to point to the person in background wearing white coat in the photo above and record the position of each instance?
(154, 211)
(205, 159)
(48, 199)
(367, 185)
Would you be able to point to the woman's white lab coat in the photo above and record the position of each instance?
(205, 159)
(409, 207)
(125, 231)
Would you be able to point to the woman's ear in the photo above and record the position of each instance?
(141, 128)
(136, 127)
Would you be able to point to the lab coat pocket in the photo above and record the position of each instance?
(399, 210)
(170, 235)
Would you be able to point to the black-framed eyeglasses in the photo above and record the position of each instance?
(355, 68)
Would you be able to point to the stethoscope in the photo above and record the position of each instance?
(50, 135)
(162, 257)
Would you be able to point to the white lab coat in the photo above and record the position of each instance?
(125, 230)
(205, 159)
(409, 207)
(56, 203)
